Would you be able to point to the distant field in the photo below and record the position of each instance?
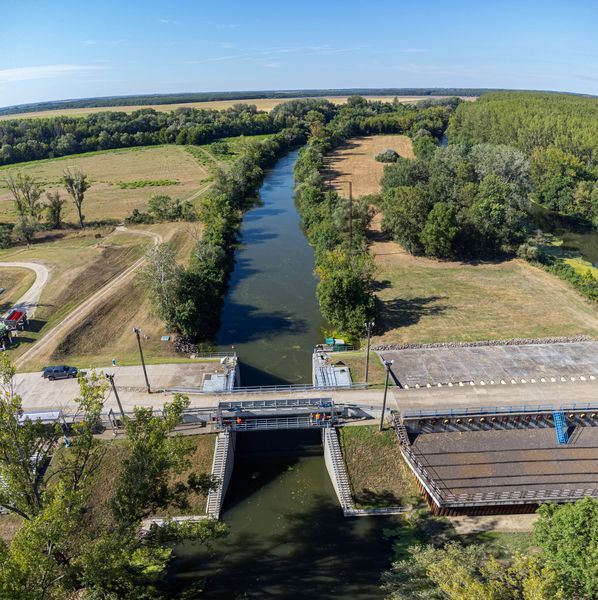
(124, 179)
(15, 283)
(261, 103)
(354, 161)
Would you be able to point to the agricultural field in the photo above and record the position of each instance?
(354, 161)
(261, 104)
(427, 300)
(121, 180)
(15, 283)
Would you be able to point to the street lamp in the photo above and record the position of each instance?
(387, 364)
(110, 378)
(368, 327)
(137, 333)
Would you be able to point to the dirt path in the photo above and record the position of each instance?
(29, 300)
(86, 307)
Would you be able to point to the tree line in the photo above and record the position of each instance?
(34, 139)
(558, 133)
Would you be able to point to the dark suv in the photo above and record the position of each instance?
(62, 372)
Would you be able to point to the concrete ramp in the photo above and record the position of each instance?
(222, 470)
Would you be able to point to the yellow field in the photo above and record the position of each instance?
(261, 103)
(354, 161)
(105, 170)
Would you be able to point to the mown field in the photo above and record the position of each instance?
(377, 471)
(261, 104)
(15, 283)
(428, 300)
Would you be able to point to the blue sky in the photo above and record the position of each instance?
(56, 49)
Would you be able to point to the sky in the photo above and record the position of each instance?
(61, 49)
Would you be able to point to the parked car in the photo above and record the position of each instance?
(61, 372)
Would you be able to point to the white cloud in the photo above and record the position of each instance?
(88, 43)
(42, 72)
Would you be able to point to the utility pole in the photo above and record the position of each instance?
(368, 327)
(137, 333)
(350, 216)
(110, 378)
(387, 364)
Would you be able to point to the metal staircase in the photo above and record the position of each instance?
(221, 457)
(340, 471)
(560, 424)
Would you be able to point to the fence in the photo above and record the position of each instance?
(265, 389)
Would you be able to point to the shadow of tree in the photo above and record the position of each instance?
(367, 497)
(400, 312)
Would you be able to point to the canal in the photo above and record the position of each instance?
(288, 537)
(271, 315)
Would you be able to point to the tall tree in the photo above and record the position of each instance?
(54, 209)
(76, 184)
(26, 192)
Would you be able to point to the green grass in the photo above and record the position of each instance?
(424, 300)
(379, 476)
(126, 185)
(355, 360)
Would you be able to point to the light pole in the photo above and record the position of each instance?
(387, 364)
(137, 333)
(368, 327)
(110, 378)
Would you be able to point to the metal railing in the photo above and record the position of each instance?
(278, 403)
(264, 389)
(279, 423)
(518, 496)
(490, 410)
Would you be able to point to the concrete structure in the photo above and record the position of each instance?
(224, 380)
(500, 460)
(493, 363)
(335, 464)
(329, 374)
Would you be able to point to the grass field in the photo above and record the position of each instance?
(378, 474)
(79, 263)
(261, 103)
(354, 161)
(107, 172)
(427, 300)
(15, 283)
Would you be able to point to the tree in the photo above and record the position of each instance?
(54, 209)
(161, 276)
(440, 230)
(24, 230)
(568, 536)
(76, 184)
(26, 192)
(456, 572)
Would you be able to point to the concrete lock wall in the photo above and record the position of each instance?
(222, 469)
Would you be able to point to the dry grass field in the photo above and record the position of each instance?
(15, 283)
(80, 263)
(426, 300)
(354, 161)
(378, 474)
(106, 170)
(261, 103)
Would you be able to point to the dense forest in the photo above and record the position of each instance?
(558, 133)
(144, 99)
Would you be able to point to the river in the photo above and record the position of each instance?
(288, 537)
(271, 315)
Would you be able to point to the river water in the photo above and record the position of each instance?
(288, 538)
(271, 315)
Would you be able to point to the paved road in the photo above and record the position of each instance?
(30, 299)
(38, 393)
(86, 307)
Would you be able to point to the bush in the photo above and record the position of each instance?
(387, 156)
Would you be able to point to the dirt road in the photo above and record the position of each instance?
(29, 300)
(86, 307)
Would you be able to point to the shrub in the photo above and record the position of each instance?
(387, 156)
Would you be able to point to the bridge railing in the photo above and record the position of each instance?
(279, 423)
(494, 410)
(262, 389)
